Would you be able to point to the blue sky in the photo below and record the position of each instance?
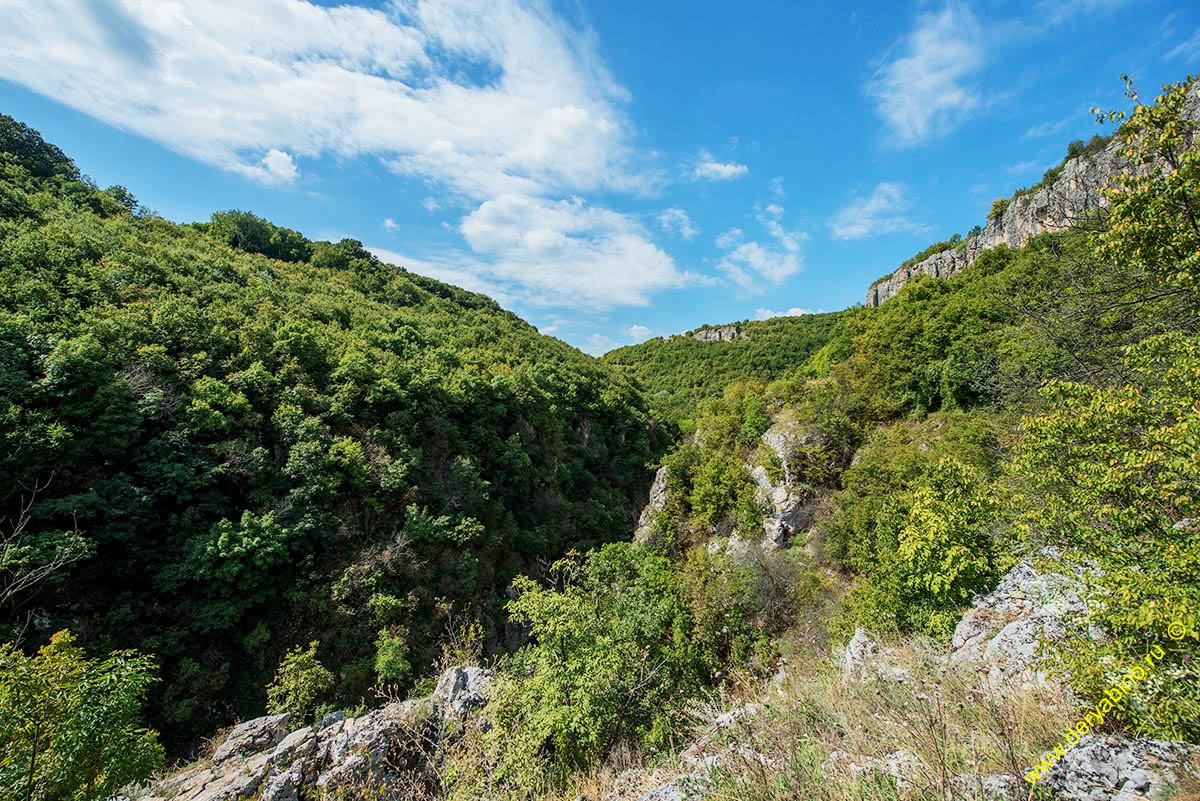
(609, 170)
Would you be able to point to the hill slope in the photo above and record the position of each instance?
(679, 372)
(252, 441)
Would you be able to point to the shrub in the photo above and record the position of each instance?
(70, 727)
(611, 660)
(300, 682)
(1110, 474)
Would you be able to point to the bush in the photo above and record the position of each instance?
(611, 660)
(300, 682)
(70, 727)
(1110, 475)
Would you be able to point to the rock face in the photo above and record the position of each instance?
(251, 737)
(460, 690)
(1000, 636)
(341, 757)
(658, 499)
(788, 504)
(1076, 191)
(1115, 769)
(724, 333)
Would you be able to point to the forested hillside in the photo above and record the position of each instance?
(680, 371)
(227, 441)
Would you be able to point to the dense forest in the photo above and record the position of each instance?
(225, 442)
(678, 372)
(233, 441)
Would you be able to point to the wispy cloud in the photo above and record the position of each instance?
(506, 111)
(709, 168)
(884, 211)
(1047, 129)
(795, 311)
(1187, 50)
(1021, 168)
(755, 265)
(927, 89)
(1057, 12)
(390, 225)
(678, 223)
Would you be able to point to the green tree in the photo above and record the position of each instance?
(1111, 475)
(1153, 219)
(611, 660)
(300, 682)
(70, 727)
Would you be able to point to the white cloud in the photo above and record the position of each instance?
(637, 332)
(710, 169)
(678, 223)
(767, 314)
(881, 212)
(499, 106)
(544, 253)
(926, 90)
(1187, 50)
(753, 265)
(276, 167)
(750, 263)
(479, 97)
(729, 239)
(390, 224)
(769, 219)
(776, 186)
(599, 344)
(1047, 129)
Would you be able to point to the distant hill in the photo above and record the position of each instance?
(680, 371)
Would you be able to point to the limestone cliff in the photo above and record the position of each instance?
(1056, 207)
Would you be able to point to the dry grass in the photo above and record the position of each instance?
(941, 717)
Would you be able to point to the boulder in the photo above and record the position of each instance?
(864, 659)
(460, 690)
(988, 787)
(1001, 635)
(251, 737)
(858, 654)
(1116, 769)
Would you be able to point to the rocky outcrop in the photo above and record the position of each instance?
(340, 757)
(658, 500)
(460, 690)
(788, 504)
(723, 333)
(988, 787)
(864, 658)
(1116, 769)
(1075, 192)
(251, 737)
(1001, 635)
